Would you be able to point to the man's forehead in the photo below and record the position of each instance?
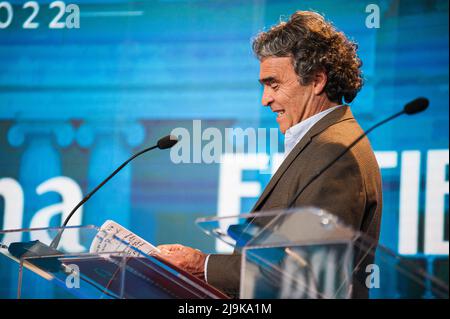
(274, 67)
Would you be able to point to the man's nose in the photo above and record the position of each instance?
(267, 98)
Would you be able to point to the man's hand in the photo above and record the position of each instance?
(187, 258)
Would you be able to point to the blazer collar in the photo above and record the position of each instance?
(340, 114)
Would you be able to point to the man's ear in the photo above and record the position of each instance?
(319, 82)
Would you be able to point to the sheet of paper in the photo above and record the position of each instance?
(113, 237)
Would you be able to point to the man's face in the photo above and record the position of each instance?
(283, 92)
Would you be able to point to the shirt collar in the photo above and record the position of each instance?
(295, 133)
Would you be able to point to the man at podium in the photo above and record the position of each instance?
(309, 71)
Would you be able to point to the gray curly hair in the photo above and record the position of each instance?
(315, 45)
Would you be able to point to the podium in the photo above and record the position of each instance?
(75, 271)
(308, 253)
(303, 253)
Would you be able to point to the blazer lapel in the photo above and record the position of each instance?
(283, 167)
(336, 116)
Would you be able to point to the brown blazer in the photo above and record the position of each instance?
(350, 189)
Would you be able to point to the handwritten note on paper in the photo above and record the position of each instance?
(112, 237)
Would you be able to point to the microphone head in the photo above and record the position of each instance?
(167, 142)
(416, 106)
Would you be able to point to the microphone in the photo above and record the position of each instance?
(166, 142)
(36, 248)
(163, 143)
(415, 106)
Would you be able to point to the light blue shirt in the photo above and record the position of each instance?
(295, 133)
